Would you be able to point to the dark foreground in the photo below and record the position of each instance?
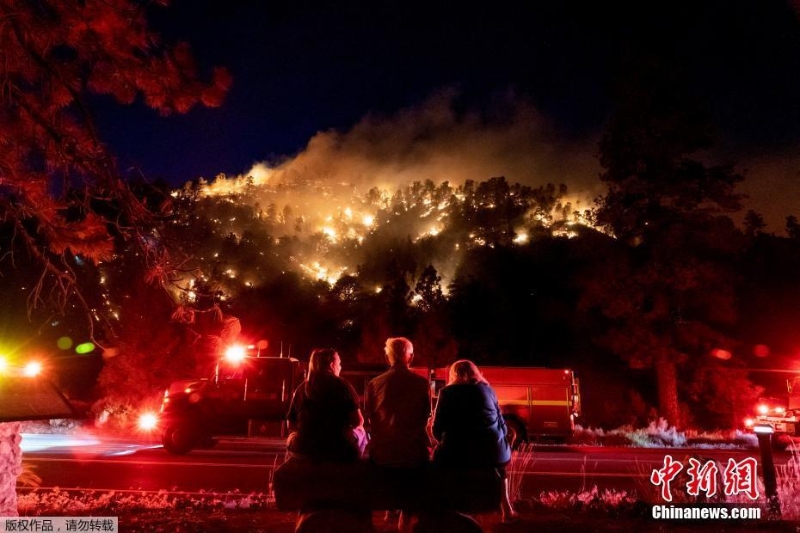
(566, 522)
(256, 513)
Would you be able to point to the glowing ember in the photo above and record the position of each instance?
(325, 229)
(322, 273)
(330, 233)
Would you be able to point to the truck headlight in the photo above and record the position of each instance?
(32, 369)
(148, 421)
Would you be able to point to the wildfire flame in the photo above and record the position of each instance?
(345, 220)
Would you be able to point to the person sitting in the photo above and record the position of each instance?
(470, 429)
(398, 406)
(325, 421)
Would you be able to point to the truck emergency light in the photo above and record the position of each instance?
(148, 421)
(235, 354)
(32, 369)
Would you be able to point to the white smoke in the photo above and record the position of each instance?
(434, 142)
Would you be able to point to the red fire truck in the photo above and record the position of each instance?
(246, 395)
(782, 415)
(538, 403)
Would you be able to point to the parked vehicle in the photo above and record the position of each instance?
(246, 395)
(782, 415)
(537, 403)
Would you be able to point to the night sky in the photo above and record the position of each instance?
(532, 80)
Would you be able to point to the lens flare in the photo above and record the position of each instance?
(84, 348)
(32, 369)
(235, 354)
(148, 421)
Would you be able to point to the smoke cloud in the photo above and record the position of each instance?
(434, 141)
(771, 185)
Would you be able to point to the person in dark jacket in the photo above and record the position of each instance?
(324, 416)
(470, 428)
(398, 406)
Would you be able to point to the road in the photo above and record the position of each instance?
(245, 465)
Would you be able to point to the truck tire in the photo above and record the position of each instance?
(781, 442)
(180, 437)
(516, 432)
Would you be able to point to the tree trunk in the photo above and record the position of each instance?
(667, 378)
(10, 467)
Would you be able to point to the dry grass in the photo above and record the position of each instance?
(521, 461)
(589, 509)
(659, 434)
(789, 485)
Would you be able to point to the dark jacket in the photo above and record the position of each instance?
(469, 427)
(322, 411)
(398, 406)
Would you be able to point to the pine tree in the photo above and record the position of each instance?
(60, 190)
(668, 296)
(59, 185)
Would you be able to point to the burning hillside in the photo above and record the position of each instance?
(389, 184)
(326, 231)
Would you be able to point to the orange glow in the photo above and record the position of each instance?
(721, 354)
(330, 232)
(339, 215)
(763, 409)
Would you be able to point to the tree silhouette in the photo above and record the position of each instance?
(670, 293)
(435, 345)
(60, 190)
(55, 172)
(792, 227)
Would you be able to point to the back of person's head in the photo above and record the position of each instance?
(399, 351)
(465, 371)
(320, 360)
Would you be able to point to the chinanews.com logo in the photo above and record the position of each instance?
(738, 477)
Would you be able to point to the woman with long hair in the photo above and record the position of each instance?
(470, 428)
(324, 417)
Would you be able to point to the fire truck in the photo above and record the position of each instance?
(246, 395)
(782, 415)
(538, 403)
